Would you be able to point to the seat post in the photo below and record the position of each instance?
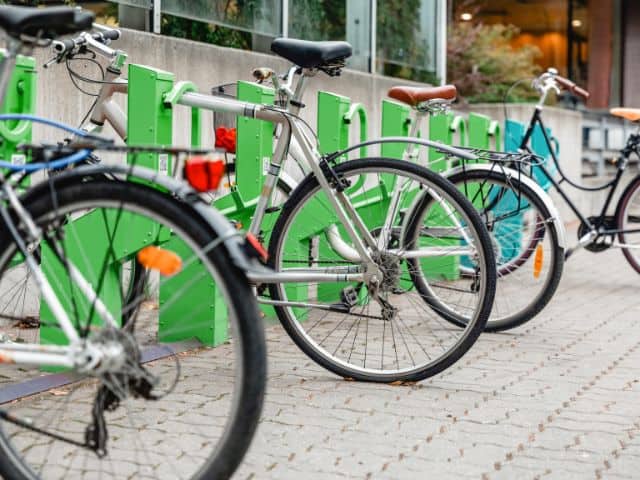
(301, 86)
(411, 153)
(7, 66)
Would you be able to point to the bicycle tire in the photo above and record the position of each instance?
(622, 218)
(245, 410)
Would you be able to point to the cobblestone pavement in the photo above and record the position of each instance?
(556, 398)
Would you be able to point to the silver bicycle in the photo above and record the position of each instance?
(92, 383)
(366, 254)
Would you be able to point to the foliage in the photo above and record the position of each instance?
(203, 32)
(483, 64)
(318, 19)
(231, 12)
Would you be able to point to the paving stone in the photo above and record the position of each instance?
(551, 399)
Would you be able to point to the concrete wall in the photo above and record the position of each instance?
(206, 66)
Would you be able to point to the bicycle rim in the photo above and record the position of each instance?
(348, 334)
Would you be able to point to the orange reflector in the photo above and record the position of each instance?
(156, 258)
(203, 174)
(538, 259)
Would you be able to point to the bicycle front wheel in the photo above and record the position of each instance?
(188, 396)
(386, 331)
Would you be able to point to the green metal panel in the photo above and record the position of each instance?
(395, 123)
(443, 128)
(253, 155)
(479, 130)
(255, 142)
(150, 120)
(90, 232)
(151, 98)
(449, 129)
(20, 99)
(333, 131)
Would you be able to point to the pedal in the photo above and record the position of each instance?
(349, 296)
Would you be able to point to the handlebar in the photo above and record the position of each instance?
(104, 37)
(550, 80)
(572, 87)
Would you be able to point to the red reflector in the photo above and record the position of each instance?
(257, 247)
(226, 139)
(203, 174)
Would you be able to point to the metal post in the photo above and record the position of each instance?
(285, 18)
(157, 16)
(441, 7)
(373, 47)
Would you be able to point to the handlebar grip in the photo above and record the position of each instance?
(572, 87)
(109, 35)
(581, 92)
(62, 46)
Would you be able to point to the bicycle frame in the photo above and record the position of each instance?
(594, 230)
(294, 140)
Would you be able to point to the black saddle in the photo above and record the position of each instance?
(308, 54)
(44, 22)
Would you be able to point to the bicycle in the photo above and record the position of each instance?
(344, 229)
(518, 212)
(122, 399)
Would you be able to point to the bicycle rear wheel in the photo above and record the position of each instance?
(525, 241)
(195, 338)
(388, 333)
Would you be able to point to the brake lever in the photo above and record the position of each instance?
(58, 58)
(55, 59)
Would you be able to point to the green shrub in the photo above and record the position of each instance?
(483, 64)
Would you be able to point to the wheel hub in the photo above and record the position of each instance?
(389, 265)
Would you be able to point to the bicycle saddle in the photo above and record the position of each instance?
(44, 22)
(307, 54)
(414, 95)
(631, 114)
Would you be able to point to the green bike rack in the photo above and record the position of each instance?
(253, 154)
(171, 98)
(152, 96)
(332, 131)
(20, 99)
(150, 122)
(484, 133)
(449, 129)
(335, 117)
(446, 128)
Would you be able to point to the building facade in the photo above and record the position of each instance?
(401, 38)
(596, 43)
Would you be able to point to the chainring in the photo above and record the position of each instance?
(604, 240)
